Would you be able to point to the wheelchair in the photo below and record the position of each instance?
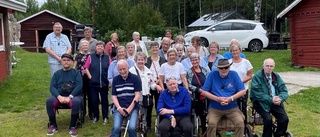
(80, 120)
(256, 119)
(176, 132)
(224, 124)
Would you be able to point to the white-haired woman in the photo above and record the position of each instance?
(139, 45)
(172, 69)
(149, 82)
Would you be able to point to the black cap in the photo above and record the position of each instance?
(67, 56)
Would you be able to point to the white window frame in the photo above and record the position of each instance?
(2, 47)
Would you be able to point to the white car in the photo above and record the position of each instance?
(250, 34)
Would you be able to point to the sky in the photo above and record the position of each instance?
(40, 2)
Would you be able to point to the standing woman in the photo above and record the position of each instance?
(112, 45)
(214, 56)
(96, 67)
(196, 77)
(173, 69)
(149, 82)
(201, 50)
(153, 63)
(139, 45)
(180, 50)
(121, 54)
(79, 61)
(244, 69)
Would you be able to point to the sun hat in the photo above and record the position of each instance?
(222, 63)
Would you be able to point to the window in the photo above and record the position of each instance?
(1, 33)
(223, 26)
(242, 26)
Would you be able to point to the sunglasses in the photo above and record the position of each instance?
(170, 79)
(224, 68)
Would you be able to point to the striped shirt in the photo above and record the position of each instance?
(125, 89)
(58, 45)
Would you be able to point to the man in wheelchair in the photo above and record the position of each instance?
(223, 87)
(268, 92)
(174, 105)
(65, 88)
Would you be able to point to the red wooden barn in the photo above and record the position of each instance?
(7, 7)
(304, 18)
(36, 27)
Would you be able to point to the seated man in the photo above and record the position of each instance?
(65, 88)
(268, 92)
(126, 88)
(223, 87)
(175, 104)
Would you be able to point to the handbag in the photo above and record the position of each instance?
(198, 95)
(68, 86)
(146, 99)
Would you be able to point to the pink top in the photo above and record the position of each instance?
(108, 47)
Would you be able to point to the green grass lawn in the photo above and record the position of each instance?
(23, 96)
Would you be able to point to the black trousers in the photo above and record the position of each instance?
(279, 113)
(183, 122)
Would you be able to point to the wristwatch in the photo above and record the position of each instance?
(171, 117)
(70, 96)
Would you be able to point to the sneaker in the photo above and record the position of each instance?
(105, 121)
(51, 130)
(73, 132)
(95, 120)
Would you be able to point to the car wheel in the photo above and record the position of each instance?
(204, 42)
(255, 45)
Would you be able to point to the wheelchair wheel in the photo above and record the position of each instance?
(196, 127)
(288, 134)
(247, 131)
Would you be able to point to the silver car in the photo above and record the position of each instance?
(250, 34)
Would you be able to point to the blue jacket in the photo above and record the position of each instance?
(99, 70)
(215, 63)
(58, 79)
(180, 102)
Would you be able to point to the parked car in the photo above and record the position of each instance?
(250, 34)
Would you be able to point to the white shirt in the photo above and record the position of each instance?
(172, 71)
(147, 79)
(241, 68)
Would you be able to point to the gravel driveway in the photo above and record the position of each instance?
(296, 81)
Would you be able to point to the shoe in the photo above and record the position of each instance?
(73, 132)
(148, 129)
(95, 120)
(91, 117)
(51, 130)
(105, 121)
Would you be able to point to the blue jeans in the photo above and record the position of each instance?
(117, 121)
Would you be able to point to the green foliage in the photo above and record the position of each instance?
(121, 35)
(140, 16)
(156, 31)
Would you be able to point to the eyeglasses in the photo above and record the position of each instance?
(269, 66)
(224, 68)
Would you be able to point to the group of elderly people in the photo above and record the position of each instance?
(177, 77)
